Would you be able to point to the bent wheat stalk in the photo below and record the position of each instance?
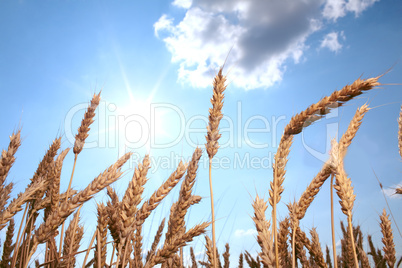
(313, 113)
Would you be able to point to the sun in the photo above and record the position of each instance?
(139, 122)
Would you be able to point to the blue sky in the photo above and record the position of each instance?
(155, 61)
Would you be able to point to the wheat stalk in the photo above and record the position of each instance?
(344, 189)
(313, 113)
(331, 186)
(80, 141)
(213, 135)
(400, 133)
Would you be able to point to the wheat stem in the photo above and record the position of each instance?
(19, 238)
(75, 222)
(213, 213)
(67, 193)
(294, 246)
(352, 240)
(89, 248)
(332, 221)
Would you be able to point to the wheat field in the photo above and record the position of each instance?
(49, 219)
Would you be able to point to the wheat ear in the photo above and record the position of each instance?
(169, 250)
(176, 220)
(226, 256)
(209, 251)
(74, 234)
(49, 228)
(193, 260)
(241, 260)
(53, 192)
(301, 242)
(336, 99)
(398, 190)
(8, 247)
(5, 195)
(157, 238)
(213, 135)
(16, 204)
(283, 242)
(85, 124)
(387, 240)
(41, 174)
(113, 208)
(7, 157)
(157, 197)
(131, 200)
(264, 236)
(315, 250)
(100, 247)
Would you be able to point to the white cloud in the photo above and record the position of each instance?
(243, 233)
(358, 6)
(390, 192)
(335, 9)
(182, 3)
(331, 41)
(163, 24)
(262, 37)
